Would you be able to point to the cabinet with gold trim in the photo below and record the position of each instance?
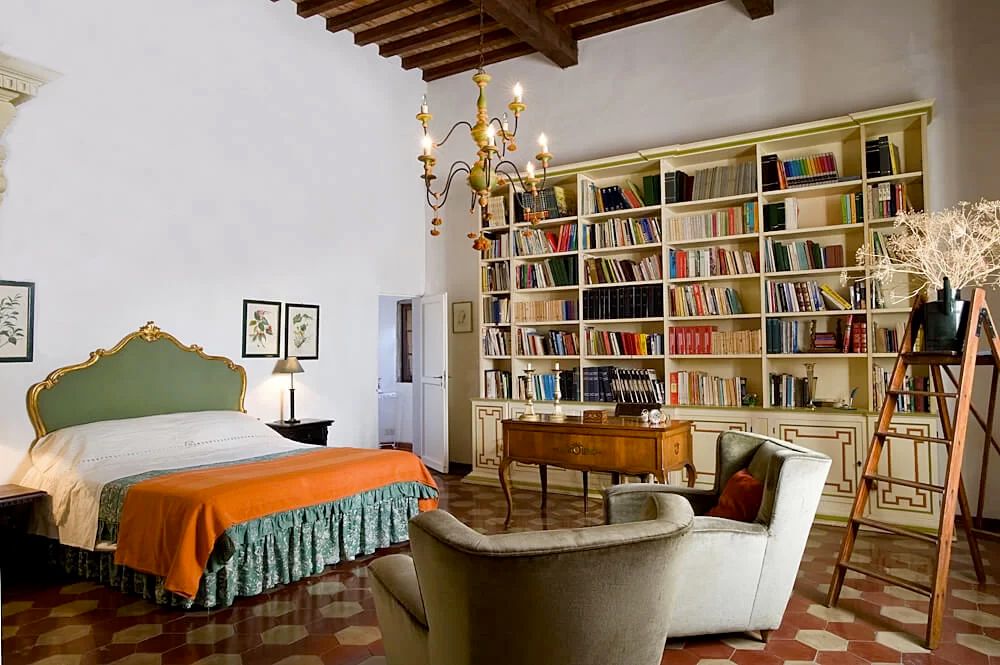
(910, 460)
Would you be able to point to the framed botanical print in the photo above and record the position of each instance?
(17, 321)
(302, 331)
(261, 329)
(461, 317)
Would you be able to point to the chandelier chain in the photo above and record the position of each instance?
(482, 16)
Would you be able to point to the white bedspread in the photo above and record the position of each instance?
(73, 464)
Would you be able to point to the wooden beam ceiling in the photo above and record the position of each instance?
(470, 63)
(535, 28)
(413, 22)
(759, 8)
(637, 16)
(354, 17)
(437, 56)
(309, 8)
(455, 30)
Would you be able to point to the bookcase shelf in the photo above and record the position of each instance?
(648, 180)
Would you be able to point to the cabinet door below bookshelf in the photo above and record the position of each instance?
(706, 427)
(911, 460)
(487, 434)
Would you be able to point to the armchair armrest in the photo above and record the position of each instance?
(398, 575)
(627, 503)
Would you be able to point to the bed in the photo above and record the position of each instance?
(160, 484)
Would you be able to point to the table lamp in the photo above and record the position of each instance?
(289, 366)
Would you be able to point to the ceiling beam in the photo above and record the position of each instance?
(376, 10)
(628, 19)
(591, 10)
(309, 8)
(466, 64)
(535, 28)
(402, 26)
(455, 30)
(759, 8)
(454, 50)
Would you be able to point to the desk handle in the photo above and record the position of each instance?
(575, 448)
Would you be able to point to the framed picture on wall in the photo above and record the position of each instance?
(302, 331)
(461, 316)
(17, 321)
(261, 329)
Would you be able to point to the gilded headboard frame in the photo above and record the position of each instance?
(149, 372)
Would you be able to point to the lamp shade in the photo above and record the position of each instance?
(288, 366)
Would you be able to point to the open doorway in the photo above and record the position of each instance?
(395, 372)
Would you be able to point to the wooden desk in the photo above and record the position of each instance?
(621, 445)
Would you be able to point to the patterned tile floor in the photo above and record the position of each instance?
(331, 619)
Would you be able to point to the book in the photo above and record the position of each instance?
(835, 299)
(622, 232)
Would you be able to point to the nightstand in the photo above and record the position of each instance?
(307, 430)
(15, 506)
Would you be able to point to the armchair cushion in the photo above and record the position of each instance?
(740, 499)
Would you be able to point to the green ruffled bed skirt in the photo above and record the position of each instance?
(281, 548)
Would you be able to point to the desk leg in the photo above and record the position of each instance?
(505, 484)
(543, 475)
(692, 474)
(616, 478)
(586, 489)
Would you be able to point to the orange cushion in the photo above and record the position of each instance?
(740, 498)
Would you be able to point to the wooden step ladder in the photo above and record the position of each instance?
(953, 428)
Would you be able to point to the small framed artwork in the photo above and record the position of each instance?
(261, 329)
(461, 316)
(302, 331)
(17, 321)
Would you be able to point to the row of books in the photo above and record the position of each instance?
(499, 246)
(546, 310)
(781, 216)
(734, 221)
(623, 302)
(701, 300)
(710, 183)
(622, 232)
(598, 199)
(794, 172)
(879, 246)
(496, 212)
(801, 255)
(802, 297)
(548, 203)
(612, 343)
(545, 386)
(496, 342)
(888, 339)
(785, 336)
(887, 199)
(852, 333)
(703, 389)
(708, 340)
(552, 343)
(557, 271)
(882, 157)
(788, 390)
(712, 262)
(495, 277)
(619, 384)
(496, 310)
(529, 242)
(852, 208)
(613, 271)
(496, 384)
(904, 403)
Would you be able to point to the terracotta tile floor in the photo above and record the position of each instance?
(331, 619)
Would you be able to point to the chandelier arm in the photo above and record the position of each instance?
(452, 131)
(507, 175)
(456, 168)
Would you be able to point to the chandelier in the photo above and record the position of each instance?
(493, 138)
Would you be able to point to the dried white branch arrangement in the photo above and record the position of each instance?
(960, 243)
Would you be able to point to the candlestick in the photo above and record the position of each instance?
(529, 395)
(557, 412)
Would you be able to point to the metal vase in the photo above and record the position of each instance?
(945, 320)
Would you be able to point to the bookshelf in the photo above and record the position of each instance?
(732, 210)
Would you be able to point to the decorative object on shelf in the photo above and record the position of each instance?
(750, 399)
(261, 329)
(811, 385)
(302, 332)
(290, 366)
(848, 404)
(461, 316)
(529, 395)
(490, 163)
(17, 321)
(947, 250)
(595, 416)
(557, 412)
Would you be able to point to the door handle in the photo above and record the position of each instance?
(444, 380)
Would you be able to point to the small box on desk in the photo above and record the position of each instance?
(595, 416)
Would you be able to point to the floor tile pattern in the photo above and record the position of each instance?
(331, 619)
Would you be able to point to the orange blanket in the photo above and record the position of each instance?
(169, 524)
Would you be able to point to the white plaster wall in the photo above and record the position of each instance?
(395, 412)
(194, 154)
(713, 72)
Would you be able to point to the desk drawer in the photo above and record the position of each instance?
(582, 450)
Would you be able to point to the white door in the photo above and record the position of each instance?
(430, 327)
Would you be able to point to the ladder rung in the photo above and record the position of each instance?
(987, 534)
(912, 437)
(916, 587)
(915, 484)
(898, 530)
(936, 358)
(928, 393)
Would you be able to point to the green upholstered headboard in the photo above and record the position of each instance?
(147, 373)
